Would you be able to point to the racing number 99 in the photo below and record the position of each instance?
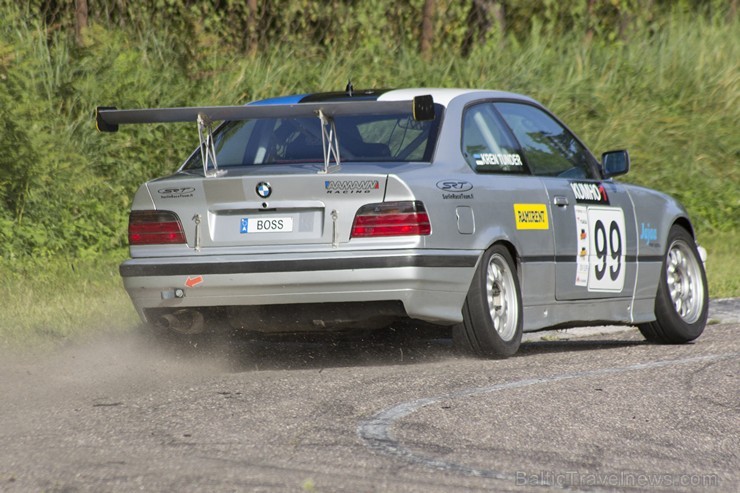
(611, 248)
(607, 246)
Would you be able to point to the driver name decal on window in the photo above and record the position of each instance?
(490, 159)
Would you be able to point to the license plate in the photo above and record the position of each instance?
(266, 225)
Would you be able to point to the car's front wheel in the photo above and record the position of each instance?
(682, 300)
(492, 314)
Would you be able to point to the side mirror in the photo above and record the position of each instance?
(615, 163)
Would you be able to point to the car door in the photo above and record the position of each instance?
(510, 203)
(593, 220)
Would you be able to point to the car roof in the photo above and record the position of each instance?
(444, 96)
(441, 96)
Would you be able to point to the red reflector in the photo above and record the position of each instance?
(154, 228)
(391, 219)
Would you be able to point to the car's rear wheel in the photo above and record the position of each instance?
(682, 300)
(492, 314)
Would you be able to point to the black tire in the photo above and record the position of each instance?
(682, 299)
(492, 313)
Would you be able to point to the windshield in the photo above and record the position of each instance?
(366, 138)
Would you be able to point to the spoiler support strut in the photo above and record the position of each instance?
(329, 143)
(207, 146)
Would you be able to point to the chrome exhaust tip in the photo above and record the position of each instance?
(186, 322)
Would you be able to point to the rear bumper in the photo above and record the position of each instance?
(431, 284)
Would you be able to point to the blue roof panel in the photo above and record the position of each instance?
(294, 99)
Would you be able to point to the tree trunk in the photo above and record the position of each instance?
(481, 18)
(252, 35)
(80, 20)
(427, 29)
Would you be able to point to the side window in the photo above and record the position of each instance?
(550, 149)
(486, 143)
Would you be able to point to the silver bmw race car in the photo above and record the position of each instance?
(474, 209)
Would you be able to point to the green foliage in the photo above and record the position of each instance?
(659, 78)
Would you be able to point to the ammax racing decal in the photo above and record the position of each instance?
(347, 187)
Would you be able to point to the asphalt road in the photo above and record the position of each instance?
(596, 410)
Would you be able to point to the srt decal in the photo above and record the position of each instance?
(455, 189)
(454, 186)
(531, 216)
(589, 193)
(347, 187)
(601, 246)
(498, 160)
(176, 193)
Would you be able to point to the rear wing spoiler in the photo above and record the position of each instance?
(108, 118)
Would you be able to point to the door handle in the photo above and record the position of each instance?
(560, 201)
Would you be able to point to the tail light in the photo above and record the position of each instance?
(154, 228)
(391, 219)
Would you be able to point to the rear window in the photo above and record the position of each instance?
(366, 138)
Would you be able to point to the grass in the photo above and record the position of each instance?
(50, 302)
(723, 263)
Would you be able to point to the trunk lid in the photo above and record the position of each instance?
(271, 209)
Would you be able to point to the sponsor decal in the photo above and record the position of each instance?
(454, 185)
(489, 159)
(176, 193)
(602, 246)
(263, 189)
(348, 187)
(531, 216)
(589, 192)
(191, 282)
(455, 189)
(582, 262)
(648, 234)
(457, 196)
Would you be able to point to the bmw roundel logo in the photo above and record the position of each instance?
(264, 189)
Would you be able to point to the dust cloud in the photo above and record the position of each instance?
(110, 368)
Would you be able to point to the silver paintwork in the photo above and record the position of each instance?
(465, 225)
(431, 294)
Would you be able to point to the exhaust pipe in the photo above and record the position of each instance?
(186, 322)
